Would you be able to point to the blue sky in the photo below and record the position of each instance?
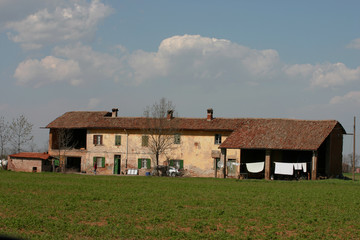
(269, 59)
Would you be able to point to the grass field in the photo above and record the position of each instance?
(71, 206)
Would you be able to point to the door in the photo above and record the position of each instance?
(117, 164)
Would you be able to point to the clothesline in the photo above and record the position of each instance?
(282, 168)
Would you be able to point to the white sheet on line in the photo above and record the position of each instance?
(298, 166)
(304, 166)
(284, 168)
(255, 167)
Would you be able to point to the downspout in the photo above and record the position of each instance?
(127, 147)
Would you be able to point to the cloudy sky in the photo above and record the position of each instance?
(272, 59)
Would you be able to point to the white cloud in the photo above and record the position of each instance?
(190, 58)
(94, 65)
(354, 44)
(196, 57)
(49, 69)
(72, 23)
(337, 74)
(75, 64)
(350, 97)
(324, 75)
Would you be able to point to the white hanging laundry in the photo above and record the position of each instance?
(304, 164)
(298, 166)
(284, 168)
(255, 167)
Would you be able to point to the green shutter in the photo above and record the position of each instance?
(103, 162)
(118, 140)
(94, 160)
(171, 162)
(139, 163)
(148, 164)
(181, 164)
(57, 162)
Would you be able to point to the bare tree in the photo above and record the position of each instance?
(161, 127)
(63, 141)
(20, 132)
(4, 136)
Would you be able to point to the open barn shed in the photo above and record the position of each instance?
(283, 146)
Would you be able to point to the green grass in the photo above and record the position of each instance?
(70, 206)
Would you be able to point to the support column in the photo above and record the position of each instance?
(223, 159)
(314, 165)
(239, 167)
(267, 164)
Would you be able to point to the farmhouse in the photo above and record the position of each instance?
(202, 147)
(29, 162)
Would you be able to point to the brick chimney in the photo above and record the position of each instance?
(210, 114)
(114, 112)
(170, 114)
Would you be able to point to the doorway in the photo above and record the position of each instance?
(231, 168)
(73, 164)
(117, 164)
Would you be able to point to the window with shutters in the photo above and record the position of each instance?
(144, 163)
(98, 140)
(145, 141)
(117, 140)
(100, 161)
(179, 164)
(177, 138)
(217, 138)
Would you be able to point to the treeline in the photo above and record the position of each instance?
(15, 136)
(347, 162)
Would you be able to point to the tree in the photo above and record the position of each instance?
(64, 140)
(4, 136)
(160, 127)
(20, 132)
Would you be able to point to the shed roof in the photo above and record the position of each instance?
(31, 155)
(284, 134)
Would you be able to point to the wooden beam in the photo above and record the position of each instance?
(223, 158)
(267, 164)
(314, 164)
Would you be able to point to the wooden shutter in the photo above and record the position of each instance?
(145, 141)
(177, 138)
(139, 163)
(148, 164)
(118, 140)
(181, 164)
(103, 162)
(94, 139)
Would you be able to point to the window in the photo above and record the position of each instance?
(100, 161)
(145, 141)
(179, 164)
(177, 138)
(144, 163)
(217, 138)
(117, 140)
(98, 139)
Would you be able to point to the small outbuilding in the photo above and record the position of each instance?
(30, 162)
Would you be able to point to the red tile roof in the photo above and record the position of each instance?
(281, 134)
(103, 120)
(32, 155)
(246, 133)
